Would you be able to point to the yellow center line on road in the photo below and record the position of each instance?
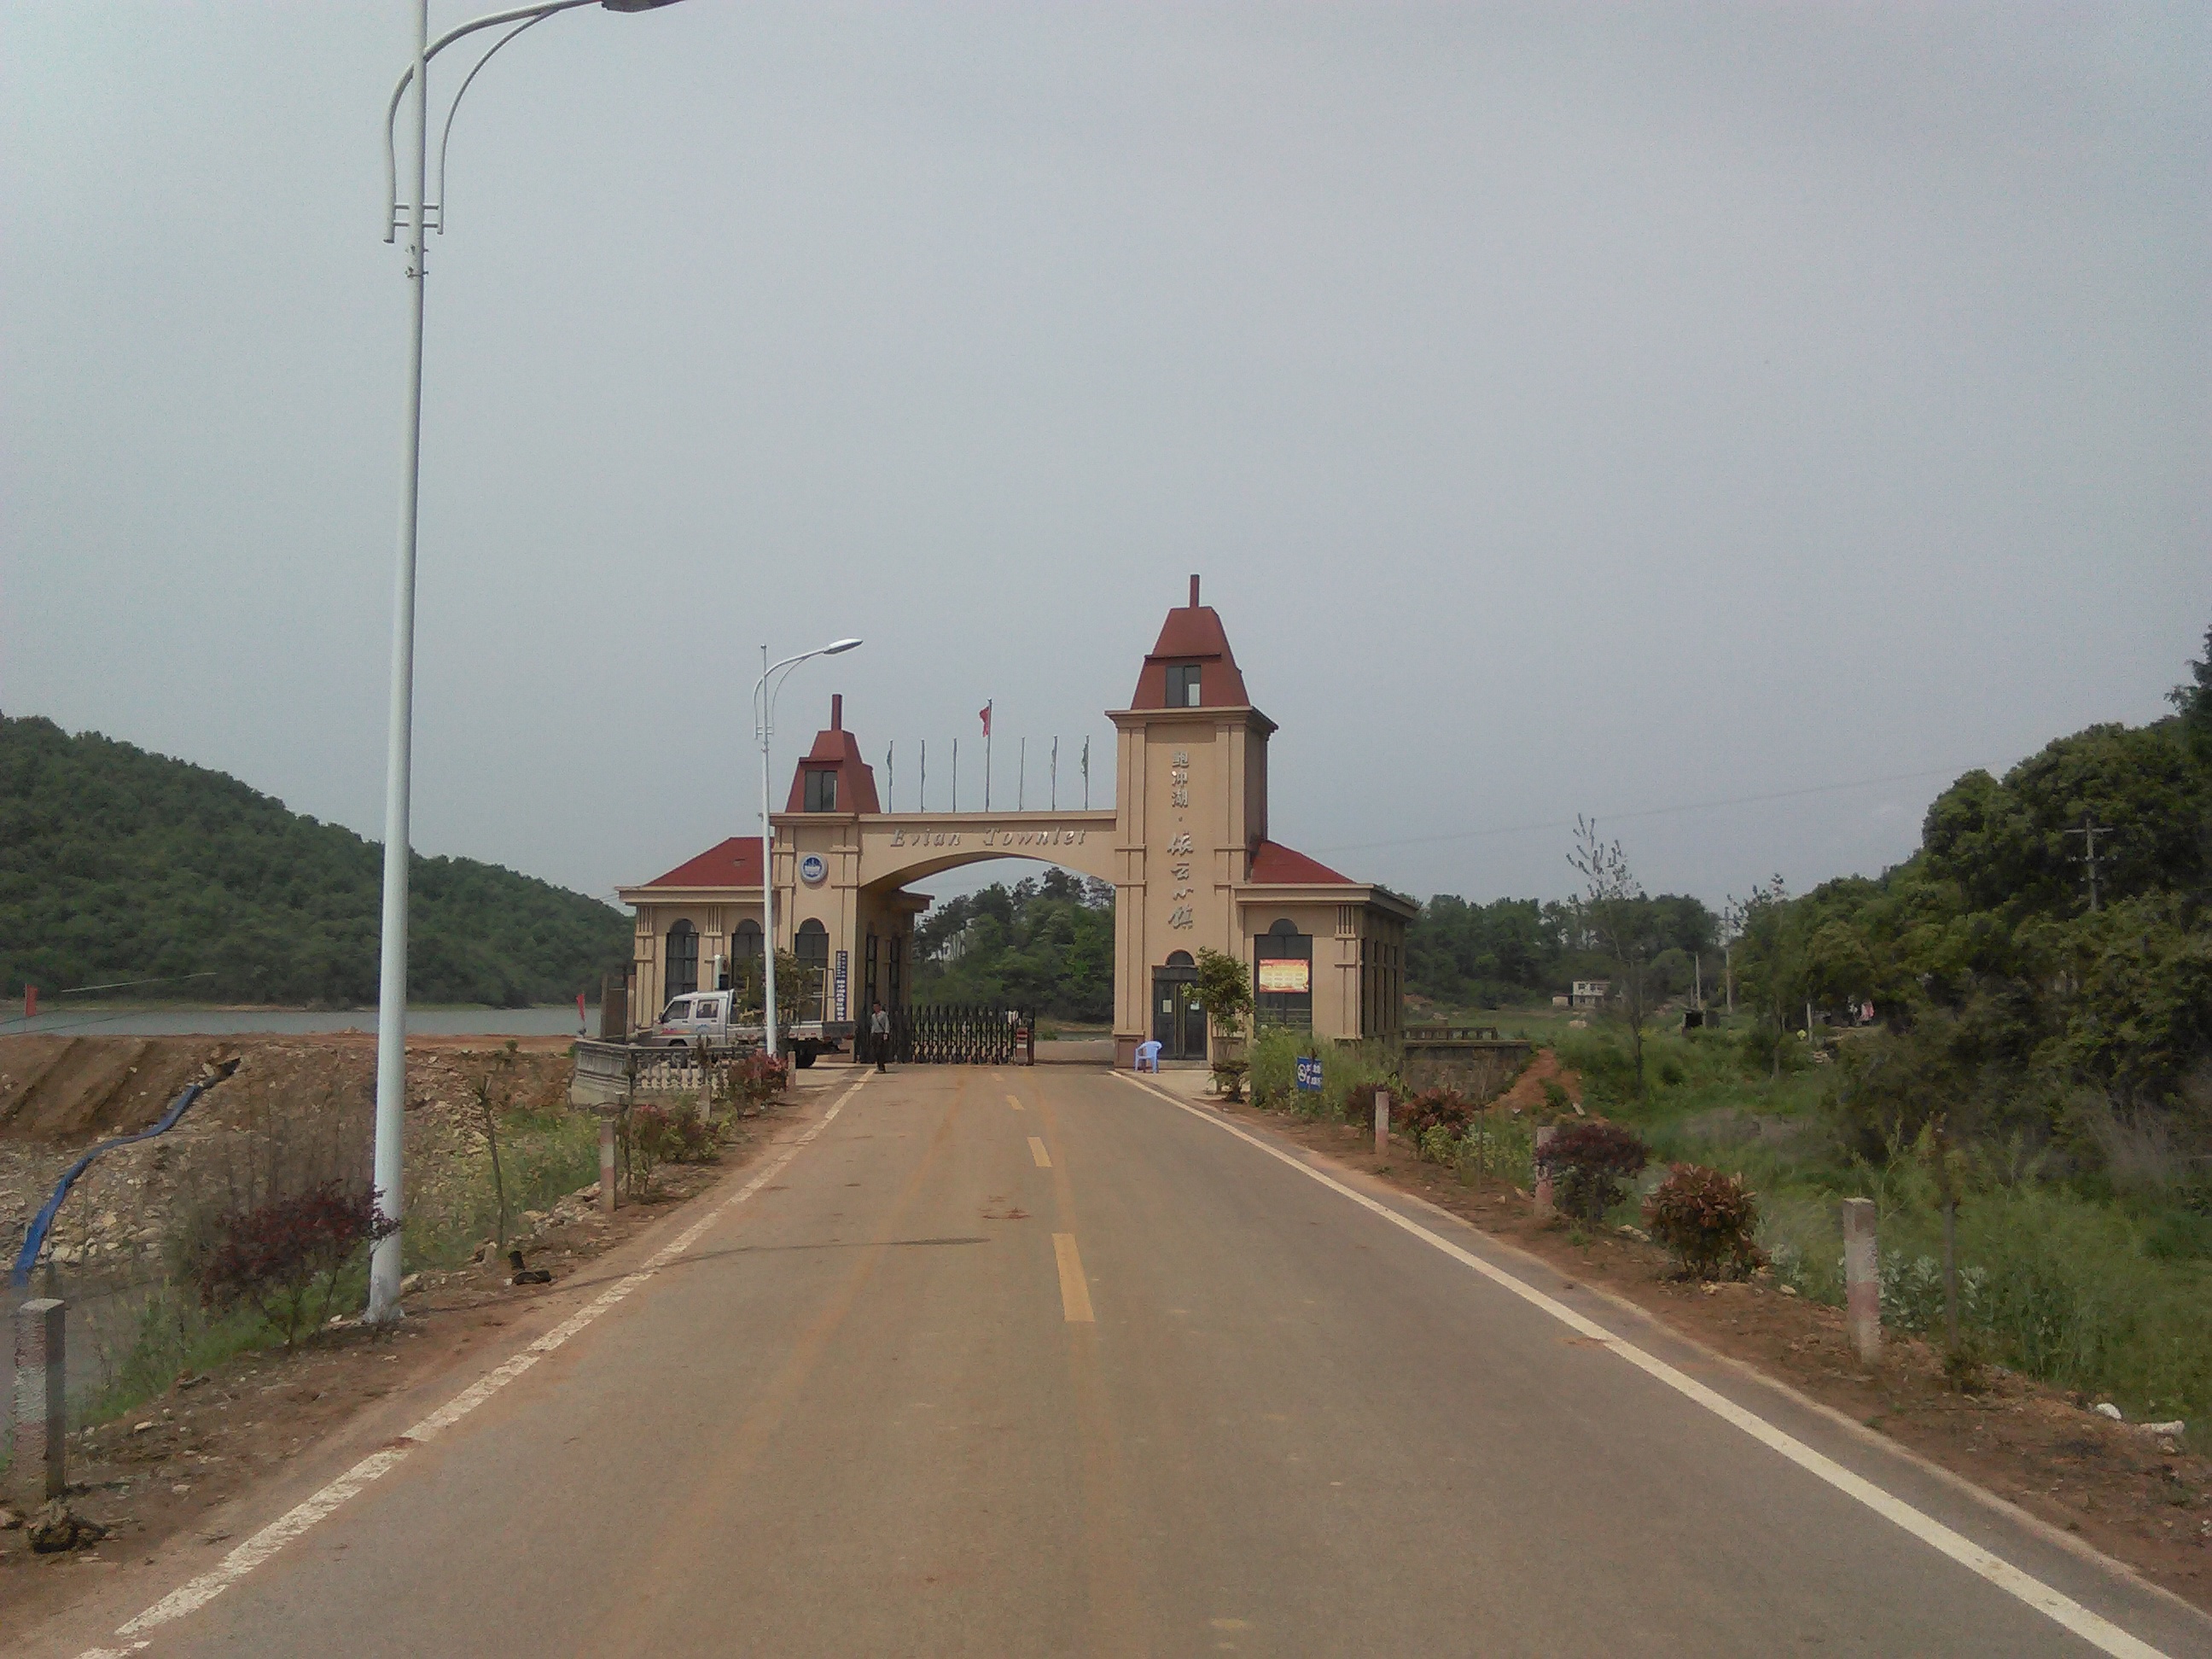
(1038, 1151)
(1074, 1288)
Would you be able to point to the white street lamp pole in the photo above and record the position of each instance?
(384, 1267)
(763, 719)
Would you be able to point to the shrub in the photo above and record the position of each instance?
(1436, 1144)
(1358, 1107)
(1435, 1109)
(1593, 1160)
(647, 1133)
(1273, 1057)
(689, 1138)
(761, 1077)
(276, 1256)
(1708, 1219)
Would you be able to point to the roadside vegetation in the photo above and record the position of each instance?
(2037, 1066)
(271, 1241)
(118, 864)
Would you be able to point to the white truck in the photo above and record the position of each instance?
(713, 1018)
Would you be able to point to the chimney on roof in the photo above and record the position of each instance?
(1193, 592)
(836, 711)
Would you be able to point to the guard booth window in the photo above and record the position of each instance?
(1183, 685)
(683, 961)
(1282, 976)
(821, 789)
(813, 955)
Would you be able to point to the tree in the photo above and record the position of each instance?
(1225, 991)
(1619, 918)
(1773, 960)
(2194, 700)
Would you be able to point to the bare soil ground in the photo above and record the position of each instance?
(2142, 1499)
(174, 1465)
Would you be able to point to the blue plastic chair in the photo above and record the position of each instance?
(1148, 1056)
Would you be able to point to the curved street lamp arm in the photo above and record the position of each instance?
(446, 138)
(532, 14)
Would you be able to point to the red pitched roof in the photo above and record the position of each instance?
(1193, 632)
(838, 749)
(1273, 863)
(733, 863)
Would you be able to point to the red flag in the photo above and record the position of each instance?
(984, 715)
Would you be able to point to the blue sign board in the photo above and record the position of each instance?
(1309, 1074)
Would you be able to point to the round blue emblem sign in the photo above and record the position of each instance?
(812, 870)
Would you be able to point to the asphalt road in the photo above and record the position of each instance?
(1037, 1362)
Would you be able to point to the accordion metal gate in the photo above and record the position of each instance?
(961, 1034)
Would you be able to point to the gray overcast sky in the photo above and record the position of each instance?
(1570, 409)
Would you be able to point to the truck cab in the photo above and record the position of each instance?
(713, 1018)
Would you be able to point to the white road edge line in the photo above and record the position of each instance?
(197, 1593)
(2093, 1628)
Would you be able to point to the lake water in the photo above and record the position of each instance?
(157, 1020)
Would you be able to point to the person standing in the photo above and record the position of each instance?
(879, 1035)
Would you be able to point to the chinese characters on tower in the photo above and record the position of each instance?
(1179, 849)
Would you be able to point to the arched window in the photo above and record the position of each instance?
(745, 965)
(683, 961)
(813, 954)
(1179, 959)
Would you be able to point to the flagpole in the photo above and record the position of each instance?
(1022, 776)
(956, 775)
(986, 758)
(1055, 774)
(922, 797)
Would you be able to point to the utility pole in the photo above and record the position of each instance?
(2090, 831)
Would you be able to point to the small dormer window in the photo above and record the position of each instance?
(1183, 685)
(821, 790)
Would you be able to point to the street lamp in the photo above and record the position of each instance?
(763, 717)
(384, 1267)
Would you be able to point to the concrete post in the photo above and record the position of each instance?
(606, 1163)
(1862, 1278)
(1545, 1208)
(1382, 1123)
(40, 1424)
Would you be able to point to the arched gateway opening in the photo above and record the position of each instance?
(1185, 845)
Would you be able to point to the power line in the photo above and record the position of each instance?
(1641, 812)
(125, 984)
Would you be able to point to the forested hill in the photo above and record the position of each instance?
(120, 865)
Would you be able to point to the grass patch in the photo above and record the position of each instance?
(2058, 1282)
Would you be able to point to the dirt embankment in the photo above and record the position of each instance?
(293, 1107)
(70, 1089)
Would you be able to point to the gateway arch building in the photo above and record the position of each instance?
(1185, 845)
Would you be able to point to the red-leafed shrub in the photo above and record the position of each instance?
(1434, 1108)
(689, 1138)
(1359, 1101)
(1593, 1161)
(761, 1077)
(284, 1257)
(1708, 1220)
